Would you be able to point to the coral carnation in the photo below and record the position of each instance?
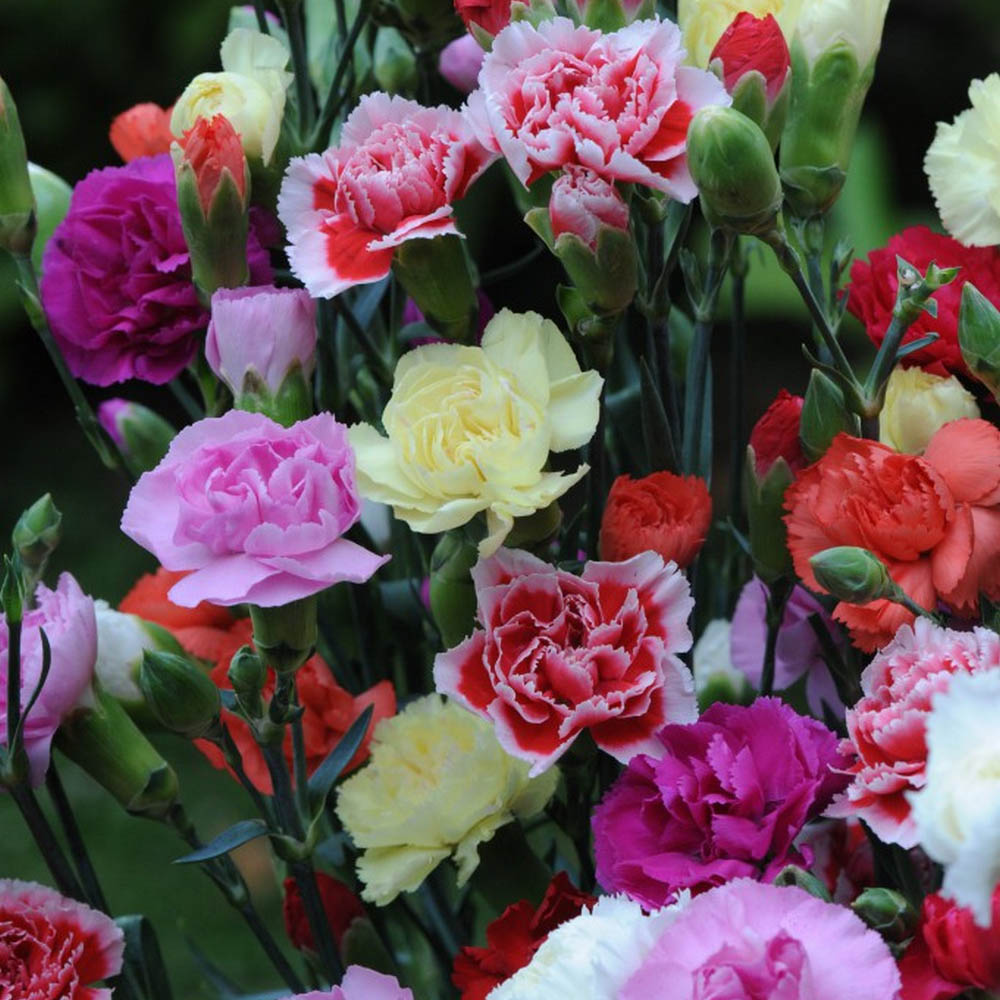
(143, 130)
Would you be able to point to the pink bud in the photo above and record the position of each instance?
(582, 202)
(460, 62)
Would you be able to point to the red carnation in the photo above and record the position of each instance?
(776, 435)
(213, 148)
(341, 905)
(491, 16)
(874, 284)
(515, 936)
(754, 44)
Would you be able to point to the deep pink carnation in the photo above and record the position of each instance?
(619, 103)
(887, 727)
(361, 984)
(67, 615)
(54, 948)
(394, 176)
(747, 941)
(727, 799)
(255, 510)
(116, 277)
(559, 653)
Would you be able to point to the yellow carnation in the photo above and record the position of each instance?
(438, 783)
(704, 21)
(963, 167)
(250, 92)
(917, 405)
(470, 429)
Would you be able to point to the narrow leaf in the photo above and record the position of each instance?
(237, 835)
(915, 345)
(656, 435)
(143, 956)
(327, 773)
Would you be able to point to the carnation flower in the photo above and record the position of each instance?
(917, 405)
(874, 283)
(361, 984)
(963, 168)
(744, 941)
(661, 513)
(705, 21)
(116, 283)
(67, 615)
(460, 62)
(514, 937)
(438, 784)
(753, 45)
(957, 812)
(469, 429)
(843, 859)
(619, 103)
(559, 654)
(776, 435)
(592, 956)
(394, 176)
(582, 203)
(257, 511)
(727, 799)
(341, 906)
(142, 130)
(490, 17)
(54, 948)
(887, 727)
(933, 521)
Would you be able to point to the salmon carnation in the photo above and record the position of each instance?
(933, 520)
(143, 130)
(213, 148)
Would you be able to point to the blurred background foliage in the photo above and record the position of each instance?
(72, 67)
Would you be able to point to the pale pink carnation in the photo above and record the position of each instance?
(253, 510)
(394, 176)
(618, 103)
(68, 617)
(748, 941)
(888, 726)
(361, 984)
(582, 202)
(54, 948)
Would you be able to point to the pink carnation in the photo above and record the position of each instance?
(747, 941)
(254, 510)
(728, 798)
(361, 984)
(54, 948)
(393, 178)
(116, 277)
(560, 653)
(460, 62)
(618, 103)
(67, 615)
(887, 727)
(582, 202)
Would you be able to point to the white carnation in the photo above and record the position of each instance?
(854, 23)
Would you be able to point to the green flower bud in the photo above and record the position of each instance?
(888, 912)
(824, 416)
(142, 436)
(852, 574)
(611, 15)
(979, 337)
(248, 675)
(182, 698)
(17, 202)
(792, 875)
(52, 195)
(453, 596)
(765, 514)
(37, 534)
(285, 636)
(395, 64)
(731, 162)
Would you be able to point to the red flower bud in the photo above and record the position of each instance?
(341, 905)
(213, 147)
(776, 435)
(660, 513)
(143, 130)
(753, 44)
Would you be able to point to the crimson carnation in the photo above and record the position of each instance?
(726, 799)
(342, 908)
(874, 284)
(776, 435)
(514, 937)
(754, 45)
(490, 16)
(116, 277)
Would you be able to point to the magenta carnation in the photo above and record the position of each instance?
(255, 510)
(116, 277)
(727, 799)
(747, 941)
(887, 728)
(361, 984)
(619, 103)
(68, 617)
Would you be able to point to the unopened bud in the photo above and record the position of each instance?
(143, 437)
(285, 636)
(182, 698)
(793, 875)
(248, 674)
(453, 595)
(611, 15)
(765, 516)
(17, 203)
(824, 416)
(852, 574)
(979, 337)
(394, 63)
(888, 912)
(37, 534)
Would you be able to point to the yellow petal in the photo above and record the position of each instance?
(388, 871)
(574, 408)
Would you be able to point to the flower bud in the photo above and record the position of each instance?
(611, 15)
(852, 574)
(833, 64)
(248, 674)
(453, 595)
(285, 636)
(765, 510)
(52, 196)
(888, 912)
(715, 677)
(17, 202)
(213, 194)
(703, 22)
(731, 162)
(142, 130)
(824, 416)
(460, 62)
(262, 343)
(979, 337)
(484, 19)
(776, 435)
(917, 405)
(182, 698)
(394, 64)
(37, 533)
(793, 875)
(142, 436)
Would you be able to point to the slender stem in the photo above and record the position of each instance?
(335, 100)
(291, 14)
(233, 759)
(737, 384)
(45, 838)
(299, 761)
(13, 684)
(363, 337)
(191, 407)
(271, 948)
(514, 267)
(597, 482)
(262, 25)
(777, 600)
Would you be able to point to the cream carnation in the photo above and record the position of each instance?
(703, 22)
(963, 167)
(957, 813)
(437, 784)
(856, 24)
(917, 405)
(469, 429)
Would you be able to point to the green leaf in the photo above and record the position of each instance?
(237, 835)
(915, 345)
(143, 957)
(661, 455)
(327, 773)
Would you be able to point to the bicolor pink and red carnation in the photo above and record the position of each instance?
(582, 202)
(874, 284)
(776, 435)
(54, 948)
(723, 798)
(559, 653)
(887, 727)
(394, 177)
(116, 283)
(618, 103)
(255, 511)
(747, 941)
(934, 520)
(753, 45)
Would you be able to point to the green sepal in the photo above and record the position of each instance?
(765, 510)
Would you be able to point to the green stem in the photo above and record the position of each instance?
(379, 365)
(60, 868)
(13, 687)
(291, 14)
(262, 25)
(235, 761)
(505, 271)
(598, 488)
(737, 385)
(777, 600)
